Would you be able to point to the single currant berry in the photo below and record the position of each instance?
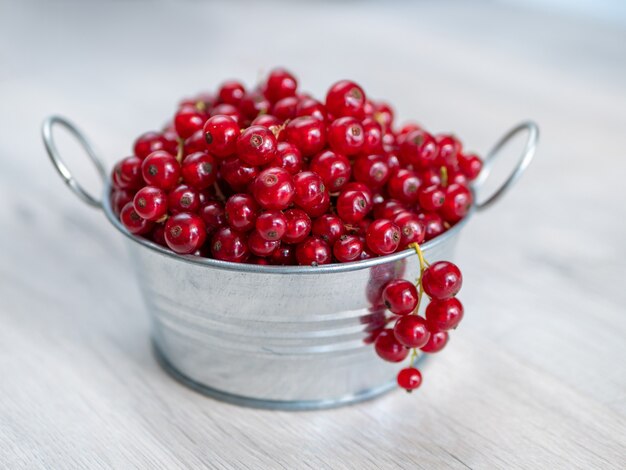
(403, 185)
(431, 198)
(133, 222)
(436, 342)
(310, 191)
(227, 110)
(161, 169)
(372, 137)
(199, 170)
(183, 198)
(448, 149)
(313, 251)
(285, 108)
(367, 192)
(231, 92)
(409, 378)
(311, 107)
(320, 208)
(298, 226)
(388, 347)
(256, 145)
(150, 203)
(442, 280)
(288, 157)
(400, 296)
(241, 212)
(412, 229)
(371, 170)
(457, 177)
(119, 198)
(470, 165)
(127, 173)
(328, 227)
(271, 225)
(345, 98)
(280, 84)
(383, 114)
(388, 209)
(229, 245)
(195, 143)
(185, 233)
(221, 134)
(457, 203)
(433, 224)
(334, 169)
(353, 206)
(411, 331)
(283, 255)
(431, 177)
(258, 260)
(348, 248)
(253, 104)
(158, 235)
(148, 143)
(238, 174)
(273, 189)
(443, 315)
(307, 133)
(419, 149)
(259, 246)
(346, 136)
(187, 121)
(383, 237)
(213, 215)
(266, 120)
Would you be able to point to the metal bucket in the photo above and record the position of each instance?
(283, 337)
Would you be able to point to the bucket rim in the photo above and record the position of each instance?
(271, 269)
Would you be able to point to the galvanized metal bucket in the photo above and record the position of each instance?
(283, 337)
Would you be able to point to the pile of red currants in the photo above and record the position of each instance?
(273, 176)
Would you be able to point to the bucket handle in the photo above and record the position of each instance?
(526, 157)
(59, 164)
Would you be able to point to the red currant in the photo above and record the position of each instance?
(448, 148)
(298, 226)
(310, 191)
(256, 145)
(383, 114)
(307, 133)
(266, 120)
(280, 84)
(187, 121)
(227, 110)
(411, 331)
(403, 185)
(371, 170)
(195, 143)
(160, 169)
(348, 248)
(311, 107)
(431, 198)
(231, 92)
(353, 205)
(199, 170)
(419, 149)
(345, 98)
(443, 315)
(238, 174)
(127, 173)
(221, 134)
(119, 198)
(470, 165)
(313, 251)
(271, 225)
(442, 280)
(150, 203)
(433, 224)
(409, 378)
(328, 227)
(133, 222)
(254, 104)
(346, 135)
(283, 255)
(400, 296)
(213, 215)
(183, 198)
(273, 188)
(457, 204)
(288, 157)
(229, 245)
(436, 342)
(241, 212)
(259, 246)
(148, 143)
(388, 347)
(412, 229)
(185, 233)
(388, 209)
(333, 168)
(285, 108)
(383, 237)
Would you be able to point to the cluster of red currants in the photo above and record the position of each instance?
(440, 281)
(274, 176)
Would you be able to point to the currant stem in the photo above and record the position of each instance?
(218, 192)
(179, 154)
(444, 176)
(423, 265)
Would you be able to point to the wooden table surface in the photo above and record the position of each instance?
(534, 378)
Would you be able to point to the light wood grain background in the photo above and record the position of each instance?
(534, 378)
